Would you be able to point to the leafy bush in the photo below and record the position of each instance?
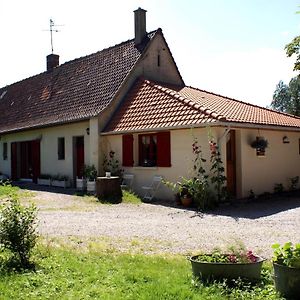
(18, 229)
(90, 172)
(287, 254)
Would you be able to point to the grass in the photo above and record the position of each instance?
(77, 269)
(67, 273)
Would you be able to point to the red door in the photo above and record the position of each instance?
(79, 156)
(25, 160)
(14, 159)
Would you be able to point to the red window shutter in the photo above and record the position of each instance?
(163, 149)
(127, 150)
(14, 161)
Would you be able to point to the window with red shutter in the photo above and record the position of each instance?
(127, 150)
(155, 150)
(164, 149)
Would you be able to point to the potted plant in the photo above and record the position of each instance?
(260, 144)
(184, 191)
(286, 264)
(90, 174)
(181, 189)
(60, 181)
(44, 179)
(81, 181)
(229, 265)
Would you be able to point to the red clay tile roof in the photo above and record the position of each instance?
(74, 91)
(151, 106)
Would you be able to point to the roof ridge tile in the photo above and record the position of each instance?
(243, 102)
(187, 101)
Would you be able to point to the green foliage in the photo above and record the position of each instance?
(294, 181)
(287, 254)
(90, 172)
(60, 177)
(294, 48)
(236, 253)
(74, 274)
(218, 179)
(259, 143)
(18, 229)
(130, 197)
(286, 98)
(7, 190)
(278, 188)
(206, 188)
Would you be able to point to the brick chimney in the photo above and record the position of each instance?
(139, 26)
(52, 62)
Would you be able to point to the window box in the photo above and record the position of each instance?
(43, 181)
(60, 183)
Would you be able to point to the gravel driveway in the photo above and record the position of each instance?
(164, 228)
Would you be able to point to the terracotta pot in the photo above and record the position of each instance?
(186, 201)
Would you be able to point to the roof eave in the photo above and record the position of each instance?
(45, 126)
(203, 125)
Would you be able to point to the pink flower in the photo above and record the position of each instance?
(251, 256)
(232, 258)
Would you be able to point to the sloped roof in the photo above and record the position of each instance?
(151, 105)
(74, 91)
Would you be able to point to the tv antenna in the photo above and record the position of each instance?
(52, 29)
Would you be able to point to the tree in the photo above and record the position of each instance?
(294, 48)
(286, 98)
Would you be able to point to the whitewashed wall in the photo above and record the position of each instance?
(49, 160)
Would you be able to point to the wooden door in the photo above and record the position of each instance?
(14, 159)
(79, 156)
(231, 163)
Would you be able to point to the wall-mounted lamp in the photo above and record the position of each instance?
(285, 140)
(88, 131)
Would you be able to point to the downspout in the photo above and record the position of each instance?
(224, 134)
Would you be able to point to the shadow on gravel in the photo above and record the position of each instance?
(248, 209)
(258, 208)
(41, 188)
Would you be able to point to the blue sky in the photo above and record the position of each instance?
(230, 47)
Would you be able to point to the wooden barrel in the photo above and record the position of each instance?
(109, 189)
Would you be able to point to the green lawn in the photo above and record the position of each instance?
(65, 273)
(71, 269)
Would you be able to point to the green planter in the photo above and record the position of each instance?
(287, 281)
(210, 271)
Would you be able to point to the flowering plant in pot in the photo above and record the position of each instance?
(230, 264)
(286, 264)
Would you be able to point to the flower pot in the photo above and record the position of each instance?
(211, 270)
(91, 186)
(287, 281)
(80, 184)
(186, 201)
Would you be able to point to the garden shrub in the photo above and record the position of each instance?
(18, 229)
